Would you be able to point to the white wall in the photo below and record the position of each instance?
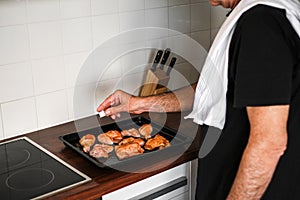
(43, 44)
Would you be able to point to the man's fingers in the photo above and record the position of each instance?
(114, 110)
(111, 113)
(105, 104)
(115, 104)
(113, 116)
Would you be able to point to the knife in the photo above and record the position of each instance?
(172, 63)
(156, 60)
(165, 58)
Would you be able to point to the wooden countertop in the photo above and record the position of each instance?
(106, 180)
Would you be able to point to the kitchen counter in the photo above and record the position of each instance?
(106, 180)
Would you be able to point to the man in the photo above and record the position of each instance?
(258, 153)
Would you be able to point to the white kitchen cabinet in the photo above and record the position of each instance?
(173, 184)
(183, 196)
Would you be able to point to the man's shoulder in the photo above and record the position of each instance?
(263, 20)
(262, 15)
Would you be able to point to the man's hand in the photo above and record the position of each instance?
(115, 104)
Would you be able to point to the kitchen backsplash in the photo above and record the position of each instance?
(43, 44)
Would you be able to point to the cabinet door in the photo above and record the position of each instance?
(166, 185)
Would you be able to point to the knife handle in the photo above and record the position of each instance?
(156, 60)
(165, 58)
(172, 63)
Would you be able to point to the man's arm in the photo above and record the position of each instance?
(267, 142)
(178, 100)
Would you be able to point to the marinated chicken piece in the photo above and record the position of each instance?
(110, 137)
(87, 141)
(105, 139)
(128, 150)
(157, 142)
(146, 130)
(101, 151)
(131, 132)
(140, 141)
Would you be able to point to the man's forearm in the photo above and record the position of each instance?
(179, 100)
(255, 173)
(267, 142)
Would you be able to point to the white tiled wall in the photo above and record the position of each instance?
(16, 81)
(44, 43)
(14, 44)
(1, 127)
(48, 114)
(19, 116)
(45, 39)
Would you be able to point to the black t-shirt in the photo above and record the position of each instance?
(264, 69)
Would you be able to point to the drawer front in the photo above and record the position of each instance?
(183, 196)
(179, 194)
(166, 185)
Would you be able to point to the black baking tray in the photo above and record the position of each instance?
(177, 140)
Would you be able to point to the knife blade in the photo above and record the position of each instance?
(165, 58)
(172, 63)
(156, 60)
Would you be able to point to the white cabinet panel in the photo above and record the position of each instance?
(183, 196)
(179, 194)
(156, 183)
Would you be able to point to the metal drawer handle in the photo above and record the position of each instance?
(162, 190)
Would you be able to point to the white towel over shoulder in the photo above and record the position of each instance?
(210, 98)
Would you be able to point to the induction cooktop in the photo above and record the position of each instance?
(28, 171)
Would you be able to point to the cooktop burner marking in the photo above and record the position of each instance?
(15, 158)
(30, 179)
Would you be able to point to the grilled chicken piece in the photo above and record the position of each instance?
(87, 141)
(110, 137)
(140, 141)
(128, 150)
(146, 130)
(101, 151)
(131, 132)
(157, 142)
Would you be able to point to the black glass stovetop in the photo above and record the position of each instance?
(28, 171)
